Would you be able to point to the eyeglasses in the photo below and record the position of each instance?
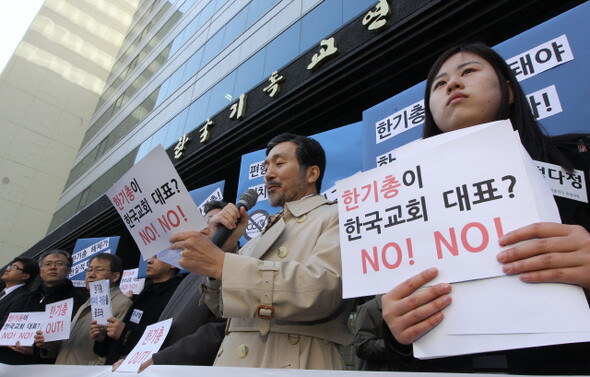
(14, 266)
(97, 270)
(51, 264)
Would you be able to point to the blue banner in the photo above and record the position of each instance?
(86, 248)
(550, 62)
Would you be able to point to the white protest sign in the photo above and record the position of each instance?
(446, 208)
(58, 317)
(152, 339)
(130, 282)
(100, 301)
(571, 185)
(21, 328)
(511, 314)
(154, 203)
(541, 58)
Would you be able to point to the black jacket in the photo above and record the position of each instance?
(147, 306)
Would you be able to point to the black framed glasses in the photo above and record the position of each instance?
(14, 266)
(51, 264)
(91, 270)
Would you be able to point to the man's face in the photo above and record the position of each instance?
(14, 275)
(157, 270)
(100, 269)
(285, 180)
(54, 269)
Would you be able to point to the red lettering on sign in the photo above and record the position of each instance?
(453, 246)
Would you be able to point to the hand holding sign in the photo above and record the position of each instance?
(97, 332)
(199, 254)
(553, 252)
(411, 312)
(115, 328)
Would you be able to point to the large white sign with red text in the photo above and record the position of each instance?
(154, 203)
(444, 203)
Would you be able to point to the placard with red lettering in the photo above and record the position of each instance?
(58, 317)
(444, 203)
(21, 328)
(154, 203)
(152, 339)
(100, 301)
(130, 282)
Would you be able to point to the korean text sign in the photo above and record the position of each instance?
(154, 203)
(85, 249)
(445, 207)
(152, 339)
(130, 282)
(100, 301)
(58, 317)
(21, 328)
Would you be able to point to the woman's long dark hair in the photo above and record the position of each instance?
(531, 133)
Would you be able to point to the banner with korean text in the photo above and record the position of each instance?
(84, 249)
(549, 62)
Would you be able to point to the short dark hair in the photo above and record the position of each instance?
(115, 263)
(519, 112)
(213, 204)
(29, 267)
(57, 252)
(309, 153)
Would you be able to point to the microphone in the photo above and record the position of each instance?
(246, 200)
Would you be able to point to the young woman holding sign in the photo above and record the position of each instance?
(469, 85)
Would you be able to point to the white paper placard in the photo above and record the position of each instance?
(152, 339)
(438, 206)
(58, 317)
(21, 328)
(100, 301)
(154, 203)
(130, 281)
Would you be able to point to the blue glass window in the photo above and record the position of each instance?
(175, 128)
(320, 23)
(222, 94)
(282, 49)
(249, 74)
(235, 27)
(197, 112)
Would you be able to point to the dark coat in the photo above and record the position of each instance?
(150, 303)
(195, 334)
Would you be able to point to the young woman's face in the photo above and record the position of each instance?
(465, 92)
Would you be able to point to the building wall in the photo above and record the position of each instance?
(48, 93)
(234, 34)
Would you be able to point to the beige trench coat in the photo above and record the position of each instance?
(293, 269)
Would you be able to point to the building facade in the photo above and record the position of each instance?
(229, 75)
(48, 92)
